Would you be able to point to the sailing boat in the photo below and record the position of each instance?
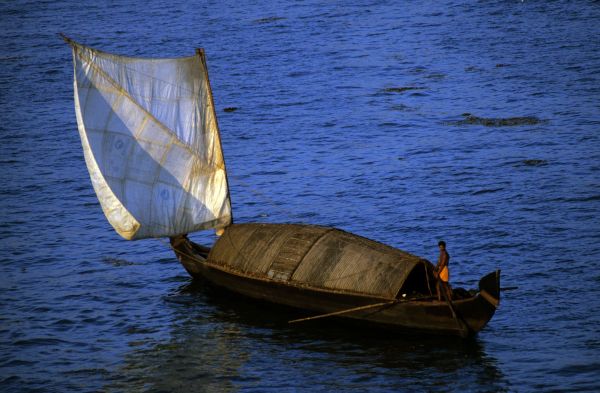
(151, 144)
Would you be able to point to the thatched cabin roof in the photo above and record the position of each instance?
(315, 257)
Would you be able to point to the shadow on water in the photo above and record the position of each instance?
(219, 341)
(402, 89)
(470, 119)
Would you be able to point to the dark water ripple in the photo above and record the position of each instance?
(347, 115)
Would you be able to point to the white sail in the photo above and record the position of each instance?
(151, 143)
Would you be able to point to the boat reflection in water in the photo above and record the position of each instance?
(221, 342)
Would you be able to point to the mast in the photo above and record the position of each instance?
(201, 54)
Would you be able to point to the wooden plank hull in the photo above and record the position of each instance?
(431, 316)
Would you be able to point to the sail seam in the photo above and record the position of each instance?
(126, 94)
(145, 134)
(88, 155)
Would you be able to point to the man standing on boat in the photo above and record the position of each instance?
(442, 273)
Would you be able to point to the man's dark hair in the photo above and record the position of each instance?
(442, 243)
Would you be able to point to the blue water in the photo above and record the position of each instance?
(325, 133)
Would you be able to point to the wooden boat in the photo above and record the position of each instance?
(336, 273)
(152, 146)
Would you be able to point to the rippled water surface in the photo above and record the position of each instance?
(478, 123)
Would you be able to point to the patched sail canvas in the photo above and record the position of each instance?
(151, 143)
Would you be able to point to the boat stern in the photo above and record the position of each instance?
(489, 288)
(478, 311)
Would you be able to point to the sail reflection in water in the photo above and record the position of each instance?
(151, 142)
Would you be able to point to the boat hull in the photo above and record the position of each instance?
(430, 316)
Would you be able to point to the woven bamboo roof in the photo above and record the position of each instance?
(313, 256)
